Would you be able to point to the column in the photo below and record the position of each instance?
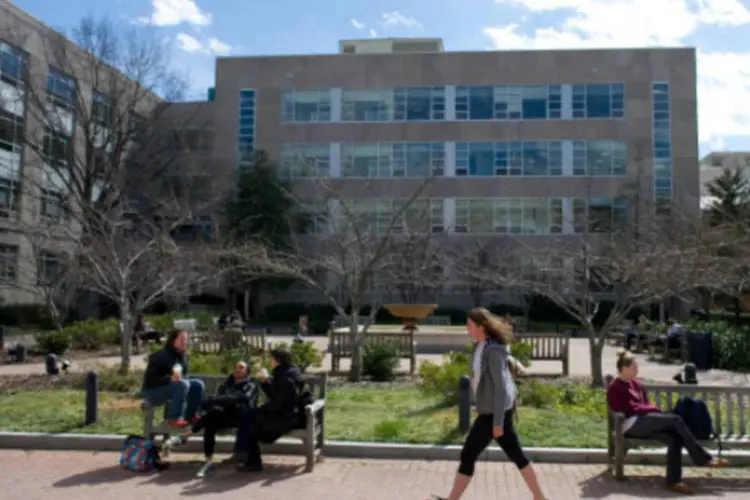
(450, 159)
(335, 159)
(449, 214)
(567, 158)
(333, 216)
(336, 104)
(450, 103)
(567, 102)
(567, 215)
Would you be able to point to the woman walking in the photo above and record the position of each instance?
(495, 395)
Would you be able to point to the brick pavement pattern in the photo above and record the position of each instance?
(41, 475)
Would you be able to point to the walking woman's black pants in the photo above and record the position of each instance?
(479, 438)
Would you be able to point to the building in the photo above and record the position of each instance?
(713, 166)
(519, 141)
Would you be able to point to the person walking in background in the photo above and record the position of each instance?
(165, 380)
(645, 420)
(302, 330)
(495, 395)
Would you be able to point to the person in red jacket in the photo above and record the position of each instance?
(644, 420)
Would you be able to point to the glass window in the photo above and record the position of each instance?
(534, 105)
(11, 132)
(61, 86)
(530, 158)
(54, 205)
(605, 100)
(662, 146)
(367, 160)
(481, 105)
(418, 159)
(599, 158)
(57, 148)
(419, 103)
(481, 159)
(367, 105)
(536, 216)
(306, 106)
(9, 196)
(305, 160)
(8, 262)
(246, 126)
(49, 267)
(101, 109)
(13, 62)
(598, 101)
(481, 216)
(598, 215)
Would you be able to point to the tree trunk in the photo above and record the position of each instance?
(126, 336)
(596, 346)
(355, 372)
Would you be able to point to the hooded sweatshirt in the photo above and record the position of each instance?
(495, 391)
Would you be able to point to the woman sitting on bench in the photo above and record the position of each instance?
(644, 420)
(234, 399)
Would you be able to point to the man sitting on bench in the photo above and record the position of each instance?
(164, 381)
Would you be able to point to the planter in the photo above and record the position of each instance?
(410, 314)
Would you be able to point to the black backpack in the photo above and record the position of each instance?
(694, 412)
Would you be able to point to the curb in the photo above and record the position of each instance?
(345, 449)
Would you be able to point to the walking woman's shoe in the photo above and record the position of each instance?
(208, 469)
(681, 488)
(718, 462)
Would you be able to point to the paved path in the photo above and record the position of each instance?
(57, 475)
(580, 365)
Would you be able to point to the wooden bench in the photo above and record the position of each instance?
(549, 347)
(211, 342)
(667, 353)
(340, 346)
(520, 325)
(312, 436)
(438, 320)
(729, 407)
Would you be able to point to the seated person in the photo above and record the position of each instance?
(644, 420)
(142, 331)
(233, 399)
(286, 396)
(631, 336)
(674, 335)
(165, 380)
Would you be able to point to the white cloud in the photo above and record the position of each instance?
(356, 24)
(723, 77)
(176, 12)
(395, 19)
(373, 33)
(218, 47)
(213, 46)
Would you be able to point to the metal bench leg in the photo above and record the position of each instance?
(309, 443)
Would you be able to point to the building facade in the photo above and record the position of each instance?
(519, 142)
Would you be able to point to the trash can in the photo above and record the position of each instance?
(700, 350)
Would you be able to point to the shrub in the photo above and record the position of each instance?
(443, 378)
(54, 342)
(522, 352)
(731, 344)
(111, 379)
(304, 354)
(379, 361)
(91, 335)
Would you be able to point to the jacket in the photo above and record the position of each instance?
(629, 397)
(496, 391)
(280, 413)
(160, 365)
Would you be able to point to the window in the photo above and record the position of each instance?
(662, 144)
(10, 190)
(528, 159)
(13, 62)
(508, 102)
(11, 132)
(367, 105)
(49, 266)
(606, 100)
(378, 216)
(529, 216)
(54, 205)
(368, 160)
(101, 109)
(599, 158)
(393, 159)
(8, 263)
(246, 129)
(57, 148)
(305, 160)
(137, 128)
(419, 103)
(61, 87)
(598, 215)
(306, 106)
(418, 159)
(421, 216)
(315, 217)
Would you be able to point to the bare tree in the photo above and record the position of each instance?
(350, 250)
(416, 268)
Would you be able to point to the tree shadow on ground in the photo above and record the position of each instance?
(429, 410)
(652, 486)
(104, 475)
(227, 479)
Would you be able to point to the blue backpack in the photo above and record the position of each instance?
(141, 455)
(695, 414)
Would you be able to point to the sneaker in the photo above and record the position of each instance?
(208, 469)
(718, 462)
(180, 423)
(681, 488)
(175, 441)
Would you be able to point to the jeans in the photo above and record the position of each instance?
(212, 422)
(480, 436)
(184, 397)
(246, 423)
(671, 430)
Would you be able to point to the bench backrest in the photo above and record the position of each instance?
(341, 343)
(546, 346)
(438, 320)
(729, 405)
(188, 324)
(209, 342)
(316, 382)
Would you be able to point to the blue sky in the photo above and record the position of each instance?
(202, 29)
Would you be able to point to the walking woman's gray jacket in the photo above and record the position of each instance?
(496, 391)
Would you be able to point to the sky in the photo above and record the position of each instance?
(200, 30)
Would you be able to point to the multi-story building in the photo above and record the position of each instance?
(518, 142)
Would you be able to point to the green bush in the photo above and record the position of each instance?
(379, 361)
(443, 378)
(54, 342)
(731, 344)
(304, 354)
(163, 323)
(111, 379)
(522, 352)
(92, 335)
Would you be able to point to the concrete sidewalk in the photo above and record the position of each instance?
(58, 475)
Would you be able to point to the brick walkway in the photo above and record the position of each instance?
(57, 475)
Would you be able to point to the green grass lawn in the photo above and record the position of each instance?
(554, 416)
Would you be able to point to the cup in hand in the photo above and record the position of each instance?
(177, 371)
